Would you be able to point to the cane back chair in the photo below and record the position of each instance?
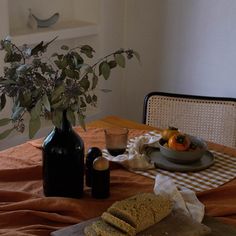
(211, 118)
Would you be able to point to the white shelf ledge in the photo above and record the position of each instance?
(64, 30)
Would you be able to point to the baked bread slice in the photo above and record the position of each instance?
(104, 229)
(118, 223)
(142, 210)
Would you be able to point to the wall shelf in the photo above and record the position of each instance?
(78, 18)
(64, 30)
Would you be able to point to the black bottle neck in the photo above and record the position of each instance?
(65, 124)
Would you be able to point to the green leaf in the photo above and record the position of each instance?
(120, 60)
(87, 50)
(64, 62)
(13, 57)
(40, 77)
(136, 54)
(112, 64)
(71, 116)
(22, 69)
(5, 133)
(8, 47)
(57, 92)
(61, 64)
(57, 118)
(46, 68)
(64, 47)
(100, 69)
(82, 103)
(94, 81)
(105, 69)
(4, 121)
(69, 73)
(58, 64)
(74, 107)
(78, 60)
(76, 74)
(36, 93)
(84, 83)
(60, 56)
(54, 54)
(2, 101)
(59, 104)
(48, 43)
(106, 90)
(38, 48)
(88, 99)
(36, 110)
(25, 99)
(8, 81)
(94, 98)
(17, 111)
(88, 54)
(34, 126)
(81, 118)
(46, 102)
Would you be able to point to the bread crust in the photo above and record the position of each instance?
(104, 229)
(118, 223)
(89, 231)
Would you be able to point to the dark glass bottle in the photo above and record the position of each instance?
(63, 162)
(92, 154)
(101, 178)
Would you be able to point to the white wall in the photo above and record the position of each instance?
(143, 27)
(187, 46)
(112, 38)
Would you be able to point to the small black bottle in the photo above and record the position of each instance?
(92, 154)
(101, 178)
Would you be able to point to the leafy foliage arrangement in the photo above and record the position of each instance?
(45, 87)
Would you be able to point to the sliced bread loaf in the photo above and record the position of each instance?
(142, 210)
(118, 223)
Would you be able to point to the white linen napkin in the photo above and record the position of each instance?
(184, 199)
(136, 157)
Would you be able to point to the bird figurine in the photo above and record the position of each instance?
(42, 23)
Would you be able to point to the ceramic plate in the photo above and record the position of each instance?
(161, 162)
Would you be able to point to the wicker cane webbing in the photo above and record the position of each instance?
(223, 170)
(212, 120)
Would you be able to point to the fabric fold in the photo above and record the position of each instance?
(137, 157)
(184, 199)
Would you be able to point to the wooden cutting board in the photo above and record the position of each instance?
(176, 224)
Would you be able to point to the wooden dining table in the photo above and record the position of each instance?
(24, 210)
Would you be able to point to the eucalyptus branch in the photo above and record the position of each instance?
(66, 79)
(102, 59)
(95, 64)
(18, 49)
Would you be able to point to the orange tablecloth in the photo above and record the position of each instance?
(25, 211)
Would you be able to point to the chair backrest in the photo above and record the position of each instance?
(211, 118)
